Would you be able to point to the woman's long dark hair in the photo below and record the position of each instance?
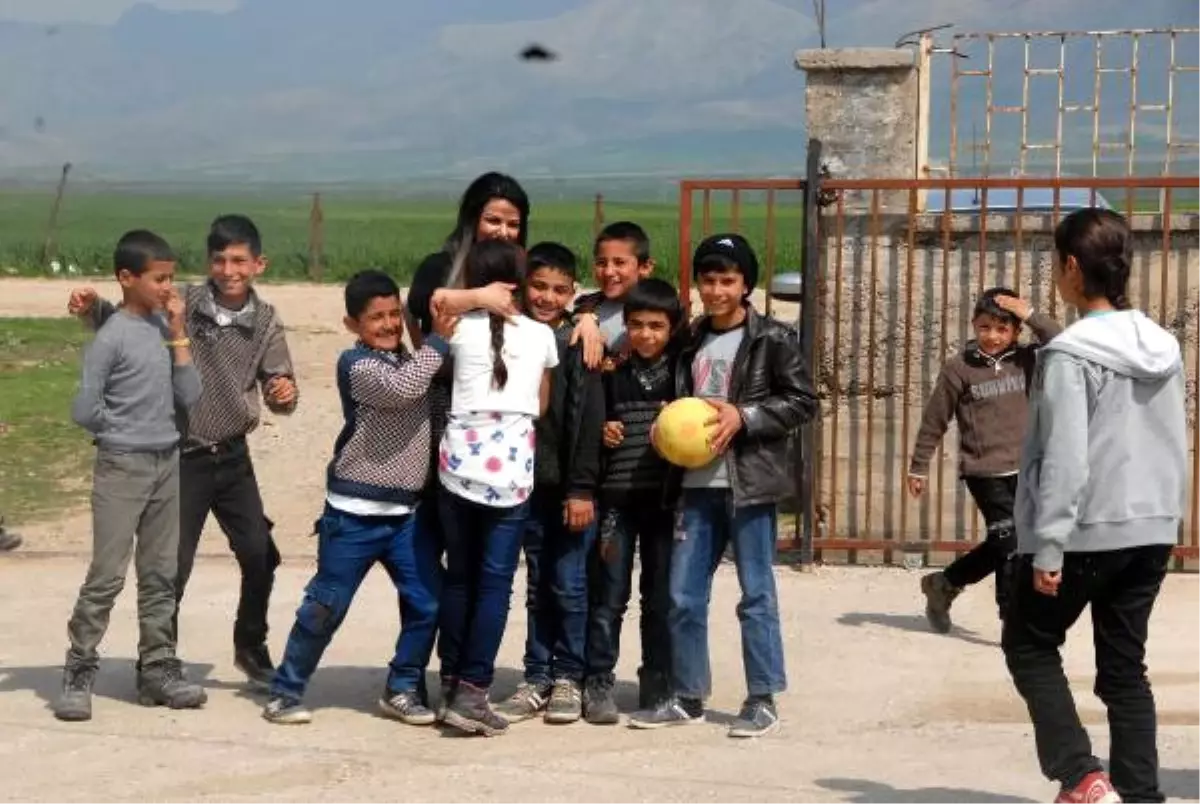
(491, 261)
(487, 187)
(1100, 242)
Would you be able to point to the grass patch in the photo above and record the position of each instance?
(45, 457)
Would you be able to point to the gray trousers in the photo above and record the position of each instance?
(135, 502)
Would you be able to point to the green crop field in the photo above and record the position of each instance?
(359, 232)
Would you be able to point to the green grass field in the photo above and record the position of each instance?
(359, 232)
(45, 455)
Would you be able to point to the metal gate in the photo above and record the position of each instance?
(890, 271)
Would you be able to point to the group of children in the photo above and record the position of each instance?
(535, 452)
(522, 419)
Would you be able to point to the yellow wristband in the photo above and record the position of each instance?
(175, 344)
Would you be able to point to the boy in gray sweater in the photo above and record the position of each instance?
(136, 372)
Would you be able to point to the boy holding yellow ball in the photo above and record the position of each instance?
(750, 369)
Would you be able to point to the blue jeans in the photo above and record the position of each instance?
(483, 546)
(556, 596)
(349, 546)
(708, 523)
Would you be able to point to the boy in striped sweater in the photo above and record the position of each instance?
(374, 482)
(633, 513)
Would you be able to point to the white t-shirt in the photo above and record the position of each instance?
(487, 451)
(529, 349)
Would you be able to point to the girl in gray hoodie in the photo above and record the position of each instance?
(1100, 501)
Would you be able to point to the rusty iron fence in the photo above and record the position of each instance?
(896, 266)
(1076, 89)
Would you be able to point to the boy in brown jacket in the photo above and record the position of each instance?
(984, 387)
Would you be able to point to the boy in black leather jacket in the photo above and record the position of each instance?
(751, 370)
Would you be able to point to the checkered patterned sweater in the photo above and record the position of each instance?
(383, 451)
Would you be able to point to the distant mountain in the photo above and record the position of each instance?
(389, 90)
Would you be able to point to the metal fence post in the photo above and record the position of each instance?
(808, 454)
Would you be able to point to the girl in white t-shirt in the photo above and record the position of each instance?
(485, 467)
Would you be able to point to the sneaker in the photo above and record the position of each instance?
(256, 664)
(566, 702)
(939, 594)
(75, 701)
(446, 695)
(286, 712)
(406, 707)
(599, 705)
(672, 712)
(165, 684)
(757, 718)
(8, 540)
(527, 701)
(471, 712)
(1094, 789)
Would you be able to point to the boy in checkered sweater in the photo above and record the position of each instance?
(241, 352)
(374, 483)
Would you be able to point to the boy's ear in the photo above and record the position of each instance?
(125, 277)
(261, 265)
(351, 325)
(646, 268)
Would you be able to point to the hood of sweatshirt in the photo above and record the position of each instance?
(1125, 341)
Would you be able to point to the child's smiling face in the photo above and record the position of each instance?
(617, 267)
(380, 325)
(548, 291)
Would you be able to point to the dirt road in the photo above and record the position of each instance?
(879, 708)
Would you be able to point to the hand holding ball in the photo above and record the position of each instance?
(682, 433)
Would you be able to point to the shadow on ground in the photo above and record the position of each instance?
(867, 791)
(911, 622)
(1178, 783)
(116, 679)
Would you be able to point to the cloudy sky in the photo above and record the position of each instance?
(312, 89)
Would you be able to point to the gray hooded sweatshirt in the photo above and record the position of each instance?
(1104, 465)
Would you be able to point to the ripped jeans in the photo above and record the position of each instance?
(349, 546)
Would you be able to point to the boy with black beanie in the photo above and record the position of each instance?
(750, 369)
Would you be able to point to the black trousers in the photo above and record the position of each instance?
(995, 497)
(221, 480)
(646, 529)
(1121, 587)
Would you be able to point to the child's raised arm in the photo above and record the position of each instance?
(939, 410)
(379, 383)
(1045, 328)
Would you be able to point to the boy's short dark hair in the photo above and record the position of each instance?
(551, 255)
(234, 230)
(365, 286)
(986, 305)
(654, 295)
(629, 231)
(137, 249)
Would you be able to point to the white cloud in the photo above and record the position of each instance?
(95, 11)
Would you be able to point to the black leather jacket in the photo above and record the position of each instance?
(772, 389)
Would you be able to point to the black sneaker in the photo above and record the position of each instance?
(566, 702)
(471, 712)
(286, 712)
(758, 717)
(8, 540)
(527, 701)
(406, 707)
(599, 705)
(672, 712)
(165, 684)
(939, 595)
(256, 664)
(75, 701)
